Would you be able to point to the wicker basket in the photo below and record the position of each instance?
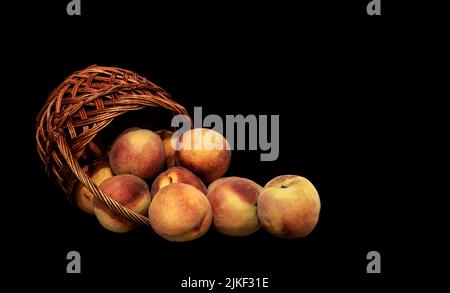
(82, 106)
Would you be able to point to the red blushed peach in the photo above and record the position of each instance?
(180, 212)
(289, 206)
(128, 190)
(233, 201)
(217, 181)
(169, 142)
(177, 175)
(98, 172)
(139, 152)
(205, 152)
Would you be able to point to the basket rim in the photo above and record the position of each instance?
(68, 115)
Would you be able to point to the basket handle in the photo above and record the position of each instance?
(73, 164)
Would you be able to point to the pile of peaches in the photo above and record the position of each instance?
(148, 172)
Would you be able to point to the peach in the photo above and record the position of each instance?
(169, 150)
(217, 181)
(177, 175)
(99, 171)
(139, 152)
(289, 206)
(233, 201)
(180, 212)
(131, 192)
(205, 152)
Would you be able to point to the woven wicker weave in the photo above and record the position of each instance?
(82, 106)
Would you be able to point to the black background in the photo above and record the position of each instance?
(321, 67)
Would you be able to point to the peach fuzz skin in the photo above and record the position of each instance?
(217, 181)
(177, 175)
(131, 192)
(233, 201)
(180, 212)
(205, 152)
(139, 152)
(98, 172)
(289, 206)
(169, 150)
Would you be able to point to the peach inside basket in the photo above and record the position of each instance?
(95, 101)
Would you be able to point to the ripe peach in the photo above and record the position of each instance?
(99, 171)
(205, 152)
(169, 142)
(177, 175)
(289, 206)
(128, 190)
(139, 152)
(180, 212)
(217, 181)
(233, 201)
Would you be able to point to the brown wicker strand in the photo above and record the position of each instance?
(97, 192)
